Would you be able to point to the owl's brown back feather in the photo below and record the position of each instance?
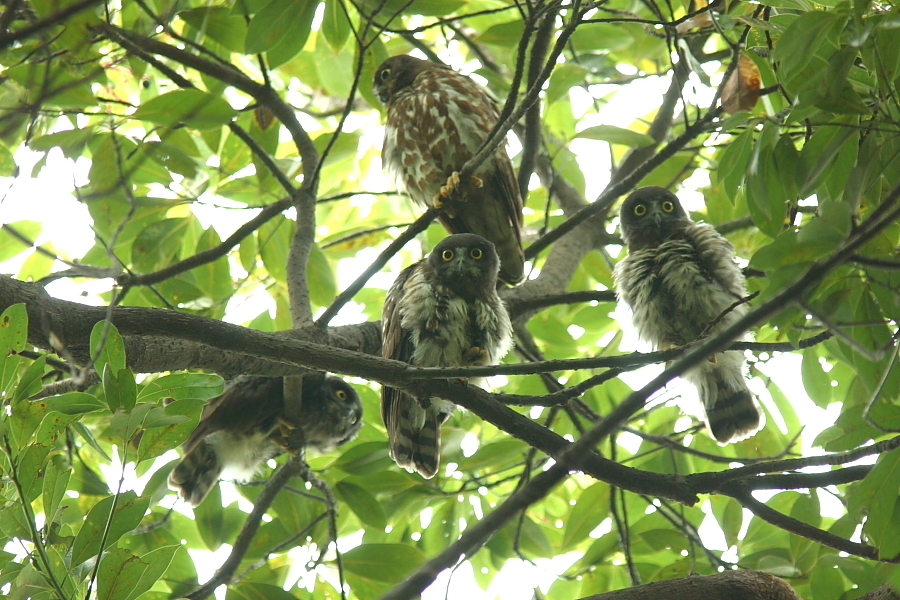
(436, 121)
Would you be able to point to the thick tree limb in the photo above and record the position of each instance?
(730, 585)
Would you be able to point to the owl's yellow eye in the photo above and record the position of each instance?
(476, 253)
(640, 210)
(447, 255)
(385, 74)
(341, 394)
(667, 206)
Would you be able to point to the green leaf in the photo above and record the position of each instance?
(13, 334)
(592, 507)
(616, 135)
(30, 381)
(128, 513)
(120, 388)
(217, 23)
(826, 582)
(165, 434)
(56, 481)
(194, 108)
(119, 573)
(803, 38)
(335, 24)
(820, 153)
(495, 455)
(322, 284)
(11, 245)
(295, 40)
(107, 347)
(181, 386)
(214, 277)
(274, 244)
(272, 24)
(561, 81)
(816, 381)
(157, 561)
(28, 468)
(502, 34)
(365, 459)
(362, 503)
(248, 590)
(730, 517)
(217, 524)
(878, 493)
(383, 563)
(75, 403)
(733, 163)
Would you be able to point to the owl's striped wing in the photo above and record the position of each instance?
(413, 432)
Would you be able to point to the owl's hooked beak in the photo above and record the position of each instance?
(464, 267)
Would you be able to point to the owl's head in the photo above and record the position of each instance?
(649, 216)
(396, 73)
(332, 412)
(466, 262)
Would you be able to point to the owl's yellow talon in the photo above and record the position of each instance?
(475, 356)
(447, 191)
(288, 436)
(713, 359)
(477, 182)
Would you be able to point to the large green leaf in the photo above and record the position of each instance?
(193, 108)
(383, 563)
(590, 509)
(97, 526)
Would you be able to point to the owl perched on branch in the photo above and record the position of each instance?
(443, 311)
(243, 427)
(681, 282)
(436, 121)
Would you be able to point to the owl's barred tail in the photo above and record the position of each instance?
(417, 443)
(733, 417)
(196, 474)
(732, 413)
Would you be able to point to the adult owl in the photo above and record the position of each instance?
(436, 121)
(680, 280)
(242, 428)
(443, 311)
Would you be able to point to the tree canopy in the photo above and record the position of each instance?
(228, 155)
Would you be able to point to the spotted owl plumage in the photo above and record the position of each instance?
(443, 311)
(679, 278)
(242, 428)
(436, 121)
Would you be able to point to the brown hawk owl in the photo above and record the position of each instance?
(443, 311)
(436, 121)
(679, 278)
(240, 429)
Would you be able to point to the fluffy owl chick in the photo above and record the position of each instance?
(679, 278)
(240, 429)
(443, 311)
(436, 121)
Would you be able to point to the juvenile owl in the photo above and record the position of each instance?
(436, 120)
(240, 429)
(678, 278)
(443, 311)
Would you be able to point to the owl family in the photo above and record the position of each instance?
(442, 311)
(240, 429)
(436, 121)
(680, 280)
